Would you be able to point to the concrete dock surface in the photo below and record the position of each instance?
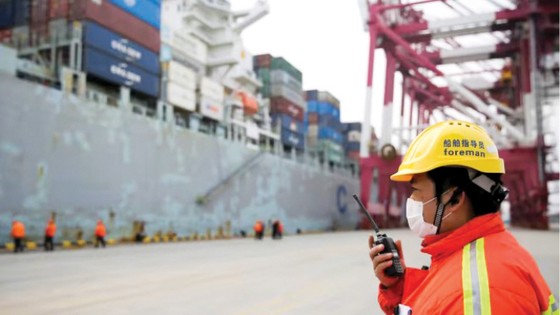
(302, 274)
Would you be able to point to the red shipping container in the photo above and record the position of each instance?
(6, 36)
(59, 9)
(283, 106)
(117, 21)
(353, 155)
(39, 12)
(264, 61)
(312, 118)
(38, 24)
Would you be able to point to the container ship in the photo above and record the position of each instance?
(152, 116)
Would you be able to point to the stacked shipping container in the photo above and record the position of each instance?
(121, 42)
(352, 136)
(13, 13)
(113, 58)
(121, 38)
(180, 85)
(282, 84)
(324, 130)
(118, 20)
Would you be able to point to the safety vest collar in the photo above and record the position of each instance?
(441, 247)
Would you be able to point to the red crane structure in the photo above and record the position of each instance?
(492, 62)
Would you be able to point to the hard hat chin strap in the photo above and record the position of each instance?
(438, 217)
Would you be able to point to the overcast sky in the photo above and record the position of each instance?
(324, 39)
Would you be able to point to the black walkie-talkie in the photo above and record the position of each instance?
(396, 269)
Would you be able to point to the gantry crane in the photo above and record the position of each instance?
(507, 82)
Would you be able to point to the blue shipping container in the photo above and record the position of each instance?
(336, 113)
(6, 14)
(14, 13)
(354, 126)
(312, 106)
(352, 146)
(116, 71)
(311, 95)
(327, 121)
(117, 46)
(288, 122)
(324, 108)
(147, 11)
(325, 133)
(292, 139)
(337, 137)
(329, 133)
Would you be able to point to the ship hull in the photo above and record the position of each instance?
(86, 161)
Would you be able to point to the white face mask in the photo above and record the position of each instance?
(415, 218)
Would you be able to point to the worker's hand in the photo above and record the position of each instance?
(383, 261)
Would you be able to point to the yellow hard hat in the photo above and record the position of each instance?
(450, 143)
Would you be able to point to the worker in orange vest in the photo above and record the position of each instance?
(50, 231)
(18, 233)
(100, 232)
(277, 229)
(280, 229)
(477, 266)
(259, 229)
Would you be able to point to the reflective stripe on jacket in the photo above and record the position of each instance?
(477, 269)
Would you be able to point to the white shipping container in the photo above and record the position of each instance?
(181, 97)
(313, 130)
(282, 77)
(211, 89)
(185, 43)
(311, 141)
(181, 75)
(212, 108)
(354, 136)
(295, 97)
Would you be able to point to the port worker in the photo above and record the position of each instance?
(280, 229)
(477, 267)
(18, 234)
(50, 231)
(277, 229)
(100, 232)
(259, 229)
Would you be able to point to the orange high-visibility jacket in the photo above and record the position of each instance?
(100, 230)
(258, 227)
(477, 269)
(18, 230)
(50, 230)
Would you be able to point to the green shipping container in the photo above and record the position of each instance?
(282, 64)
